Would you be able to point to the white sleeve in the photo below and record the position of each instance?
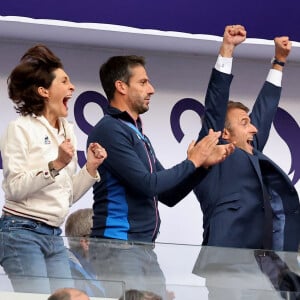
(20, 180)
(274, 77)
(224, 64)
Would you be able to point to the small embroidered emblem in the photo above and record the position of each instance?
(46, 140)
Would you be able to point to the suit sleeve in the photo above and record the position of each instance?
(124, 162)
(216, 100)
(215, 111)
(263, 113)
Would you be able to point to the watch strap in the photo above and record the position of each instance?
(52, 170)
(274, 61)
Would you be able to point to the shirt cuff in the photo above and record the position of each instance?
(224, 64)
(97, 178)
(274, 77)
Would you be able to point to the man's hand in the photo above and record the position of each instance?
(283, 47)
(198, 153)
(219, 154)
(233, 36)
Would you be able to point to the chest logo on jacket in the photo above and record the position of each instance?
(47, 140)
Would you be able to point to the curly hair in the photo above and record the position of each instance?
(35, 69)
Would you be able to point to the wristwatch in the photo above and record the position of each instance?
(274, 61)
(52, 170)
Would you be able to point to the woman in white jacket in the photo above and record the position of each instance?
(39, 170)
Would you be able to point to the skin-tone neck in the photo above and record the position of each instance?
(52, 119)
(120, 100)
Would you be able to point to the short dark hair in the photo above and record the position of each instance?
(231, 105)
(35, 69)
(118, 68)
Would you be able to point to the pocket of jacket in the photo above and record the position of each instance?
(228, 202)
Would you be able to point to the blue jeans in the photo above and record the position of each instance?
(33, 255)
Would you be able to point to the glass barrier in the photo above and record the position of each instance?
(87, 285)
(201, 293)
(105, 269)
(230, 273)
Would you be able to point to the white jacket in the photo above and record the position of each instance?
(28, 145)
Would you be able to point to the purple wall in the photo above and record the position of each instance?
(263, 19)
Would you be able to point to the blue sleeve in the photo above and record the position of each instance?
(175, 195)
(127, 161)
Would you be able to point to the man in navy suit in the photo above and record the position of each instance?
(247, 200)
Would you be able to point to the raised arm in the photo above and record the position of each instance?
(217, 94)
(266, 104)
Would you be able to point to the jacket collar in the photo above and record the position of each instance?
(124, 115)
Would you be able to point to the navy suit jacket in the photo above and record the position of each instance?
(231, 195)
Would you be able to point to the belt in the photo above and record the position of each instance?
(6, 214)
